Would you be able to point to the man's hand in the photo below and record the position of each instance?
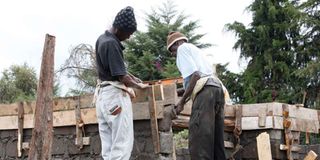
(179, 107)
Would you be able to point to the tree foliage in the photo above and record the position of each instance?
(81, 66)
(18, 83)
(281, 47)
(146, 52)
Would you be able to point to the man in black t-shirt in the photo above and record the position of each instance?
(113, 103)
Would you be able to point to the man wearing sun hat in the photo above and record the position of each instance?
(206, 91)
(112, 95)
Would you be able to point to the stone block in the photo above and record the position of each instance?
(59, 145)
(95, 144)
(165, 157)
(166, 142)
(165, 124)
(11, 148)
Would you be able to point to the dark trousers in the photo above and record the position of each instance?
(206, 125)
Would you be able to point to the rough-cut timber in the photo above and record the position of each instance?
(20, 128)
(153, 120)
(42, 134)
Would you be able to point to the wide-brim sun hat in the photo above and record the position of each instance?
(174, 37)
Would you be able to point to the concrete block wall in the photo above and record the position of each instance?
(64, 147)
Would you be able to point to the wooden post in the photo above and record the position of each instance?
(41, 141)
(20, 128)
(153, 120)
(287, 131)
(79, 125)
(263, 146)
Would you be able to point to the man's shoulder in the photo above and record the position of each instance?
(105, 39)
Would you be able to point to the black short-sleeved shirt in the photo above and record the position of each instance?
(109, 57)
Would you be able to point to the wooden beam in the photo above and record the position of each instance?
(276, 122)
(181, 122)
(253, 110)
(42, 134)
(67, 118)
(153, 120)
(20, 128)
(229, 111)
(263, 146)
(311, 156)
(70, 103)
(252, 123)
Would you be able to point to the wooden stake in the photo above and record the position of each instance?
(287, 131)
(41, 141)
(263, 146)
(153, 120)
(79, 126)
(307, 137)
(20, 128)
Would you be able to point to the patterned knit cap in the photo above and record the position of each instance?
(125, 20)
(174, 37)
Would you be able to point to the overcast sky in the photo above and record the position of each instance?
(24, 24)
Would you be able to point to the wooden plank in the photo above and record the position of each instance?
(153, 120)
(167, 81)
(263, 146)
(253, 110)
(181, 122)
(229, 122)
(141, 110)
(20, 128)
(276, 122)
(302, 113)
(69, 103)
(269, 109)
(12, 109)
(252, 123)
(142, 94)
(170, 94)
(311, 156)
(42, 134)
(229, 111)
(67, 118)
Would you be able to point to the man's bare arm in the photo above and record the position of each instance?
(194, 78)
(129, 82)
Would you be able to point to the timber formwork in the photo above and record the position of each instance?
(282, 122)
(75, 129)
(76, 132)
